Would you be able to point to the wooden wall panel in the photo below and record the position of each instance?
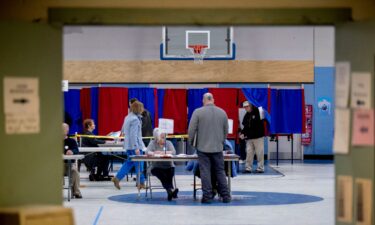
(188, 72)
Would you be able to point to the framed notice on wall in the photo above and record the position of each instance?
(344, 198)
(363, 204)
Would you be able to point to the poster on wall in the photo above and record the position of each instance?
(363, 127)
(306, 137)
(344, 198)
(342, 84)
(65, 85)
(361, 90)
(342, 131)
(21, 105)
(363, 206)
(324, 106)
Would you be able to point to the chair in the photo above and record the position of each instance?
(149, 185)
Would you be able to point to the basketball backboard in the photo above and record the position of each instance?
(178, 41)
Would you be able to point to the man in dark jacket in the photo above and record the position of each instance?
(253, 133)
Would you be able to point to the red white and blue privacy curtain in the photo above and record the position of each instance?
(172, 105)
(113, 107)
(226, 98)
(108, 106)
(147, 97)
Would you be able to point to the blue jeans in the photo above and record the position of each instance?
(128, 165)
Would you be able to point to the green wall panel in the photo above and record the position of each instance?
(31, 165)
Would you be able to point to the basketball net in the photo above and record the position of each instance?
(198, 51)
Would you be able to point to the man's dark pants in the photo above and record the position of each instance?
(214, 162)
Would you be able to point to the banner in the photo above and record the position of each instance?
(307, 137)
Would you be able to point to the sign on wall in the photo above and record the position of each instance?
(342, 131)
(361, 90)
(21, 105)
(306, 137)
(363, 127)
(342, 84)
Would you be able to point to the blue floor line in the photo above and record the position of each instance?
(98, 215)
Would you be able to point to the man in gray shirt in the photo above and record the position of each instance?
(208, 130)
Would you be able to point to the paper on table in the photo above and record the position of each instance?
(363, 127)
(342, 130)
(342, 84)
(361, 90)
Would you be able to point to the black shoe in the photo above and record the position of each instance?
(247, 171)
(206, 201)
(175, 192)
(92, 177)
(170, 195)
(227, 200)
(98, 177)
(259, 171)
(77, 196)
(106, 178)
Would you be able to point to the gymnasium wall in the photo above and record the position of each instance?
(89, 59)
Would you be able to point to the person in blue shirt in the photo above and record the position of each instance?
(132, 129)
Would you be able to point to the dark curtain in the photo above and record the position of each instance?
(73, 115)
(113, 107)
(175, 108)
(147, 97)
(195, 97)
(85, 99)
(94, 107)
(287, 111)
(226, 98)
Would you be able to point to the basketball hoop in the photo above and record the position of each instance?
(198, 51)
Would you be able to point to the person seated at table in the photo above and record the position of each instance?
(164, 171)
(96, 159)
(71, 148)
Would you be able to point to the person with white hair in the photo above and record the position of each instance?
(164, 171)
(208, 130)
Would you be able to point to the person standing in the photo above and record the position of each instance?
(132, 129)
(208, 129)
(71, 148)
(146, 124)
(253, 133)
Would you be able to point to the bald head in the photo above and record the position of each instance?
(65, 128)
(208, 98)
